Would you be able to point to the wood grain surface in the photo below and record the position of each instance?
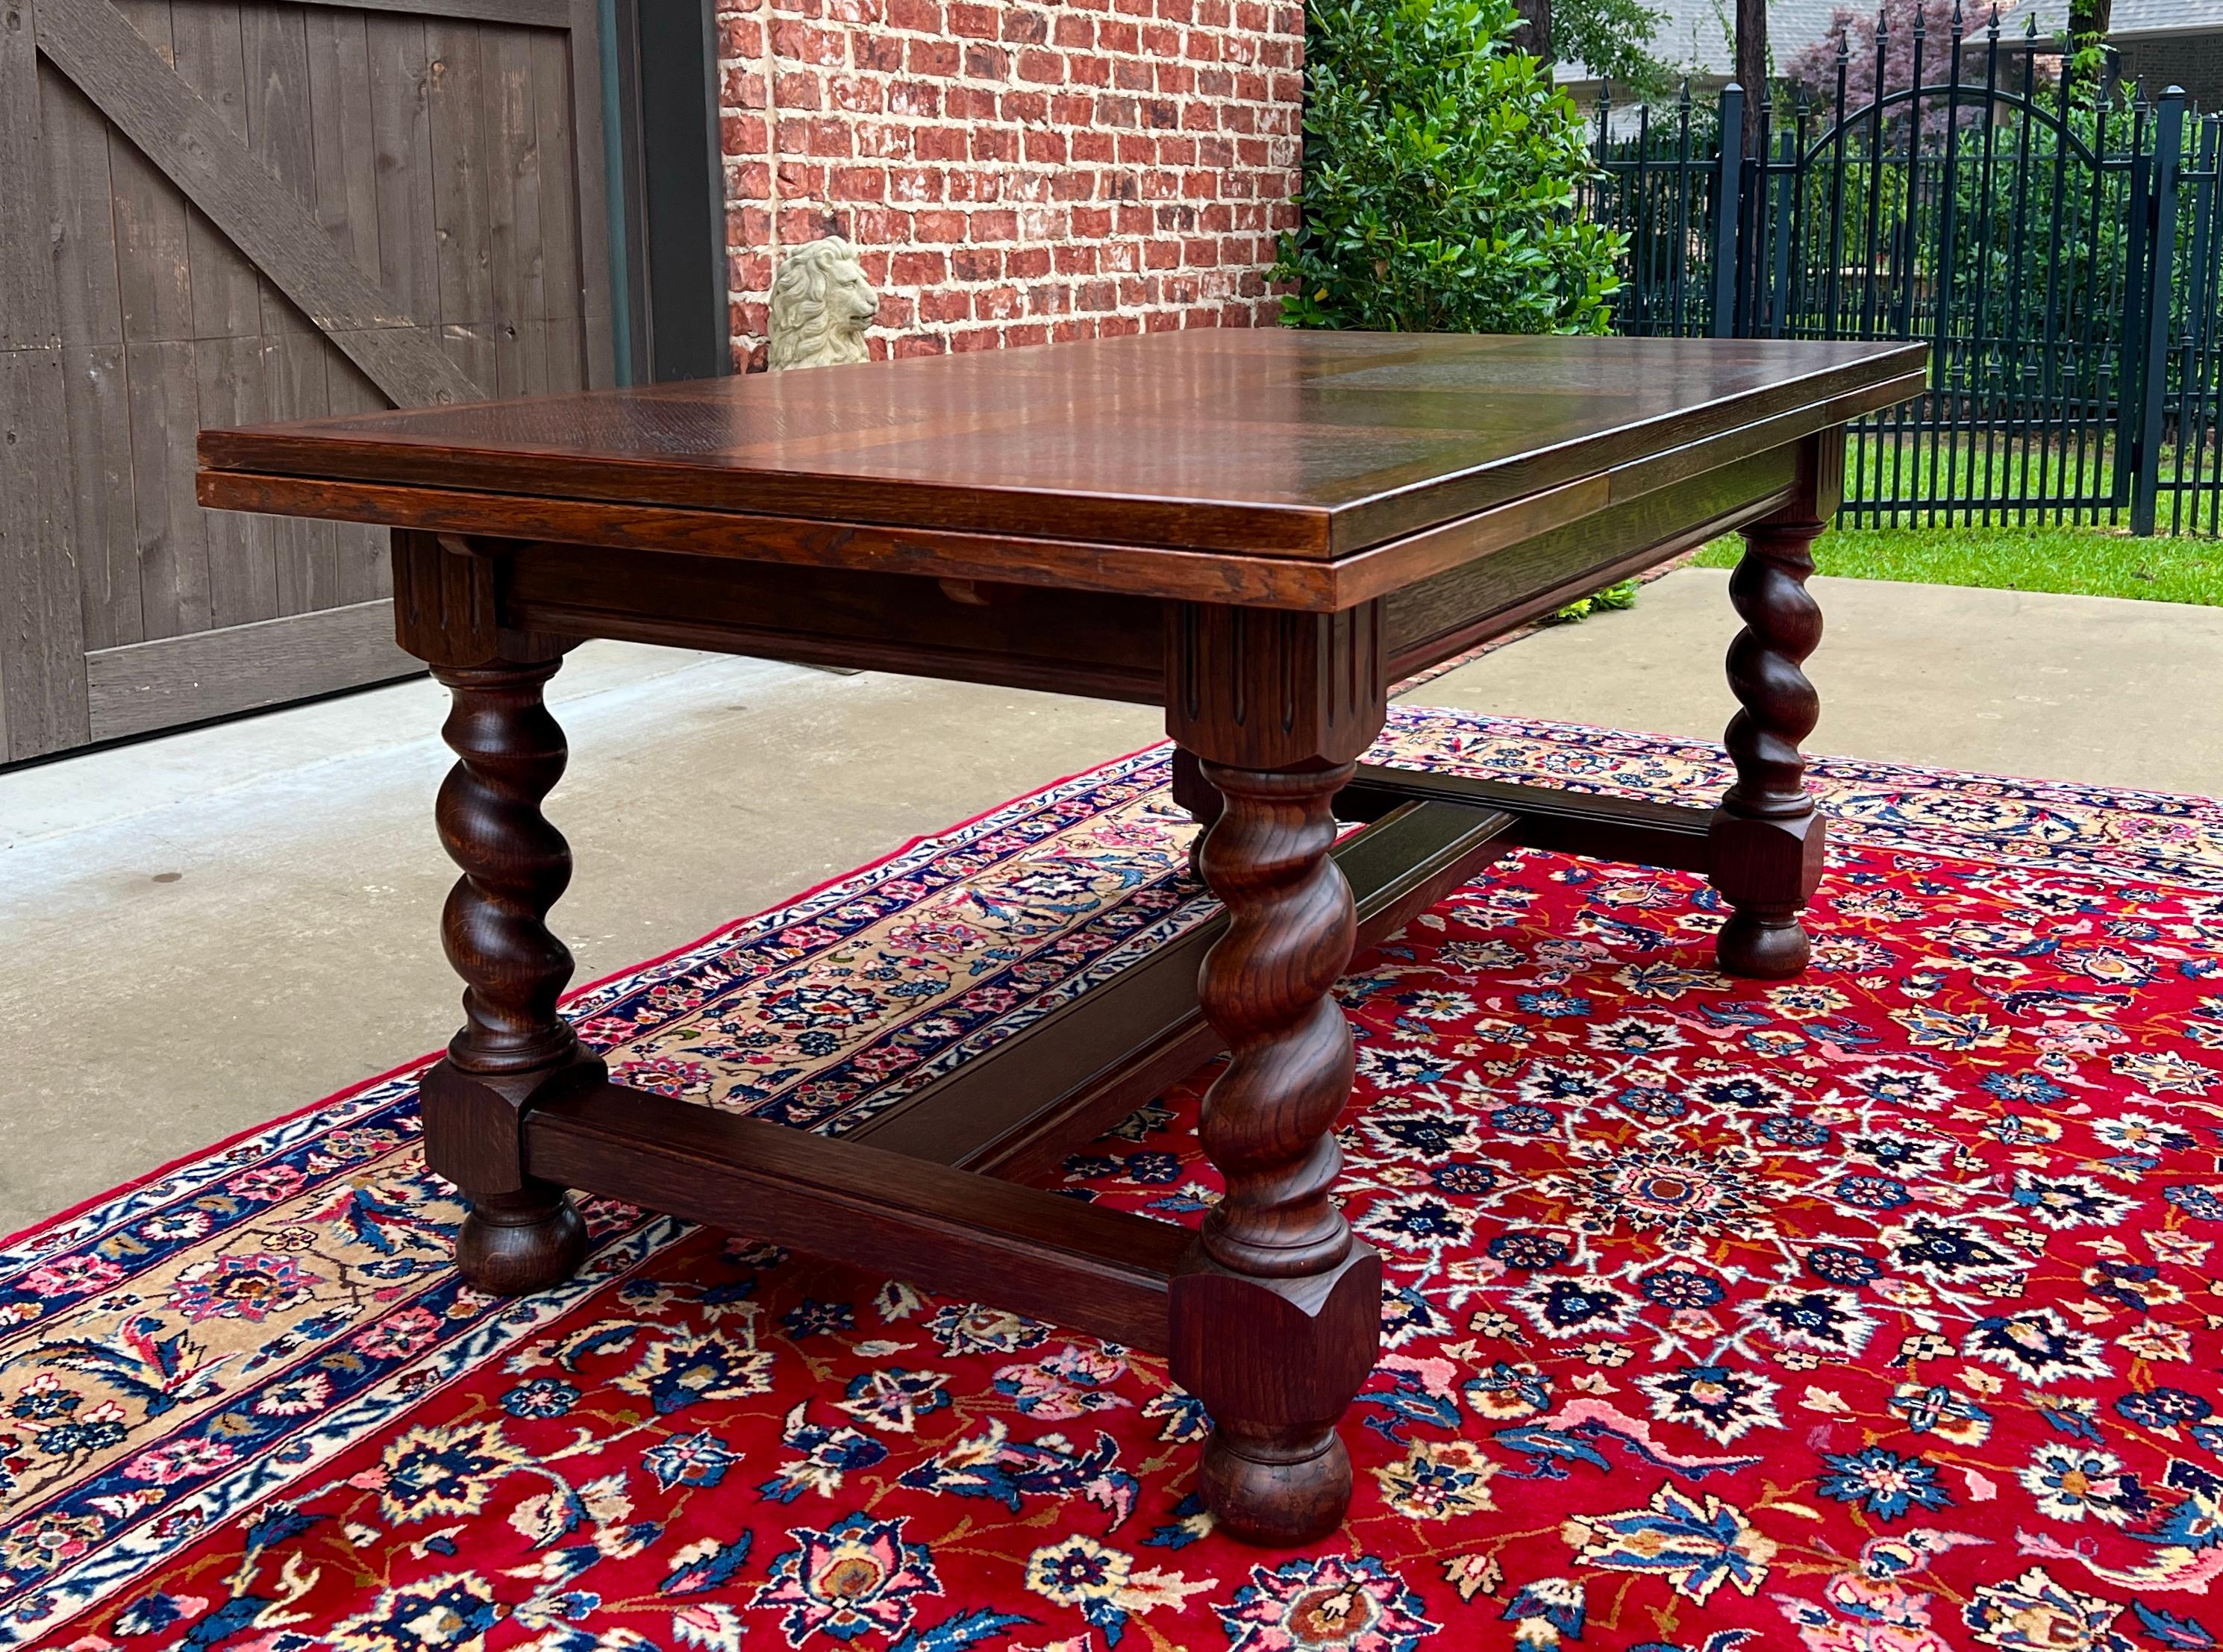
(143, 686)
(1268, 444)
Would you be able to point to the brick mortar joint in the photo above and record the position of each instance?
(1142, 292)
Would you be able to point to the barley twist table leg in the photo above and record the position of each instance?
(522, 1234)
(1279, 1251)
(1277, 1315)
(1767, 837)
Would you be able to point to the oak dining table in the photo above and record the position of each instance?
(1261, 532)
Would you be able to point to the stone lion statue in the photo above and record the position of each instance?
(821, 306)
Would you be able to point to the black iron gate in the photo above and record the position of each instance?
(2058, 251)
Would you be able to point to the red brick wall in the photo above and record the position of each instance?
(1014, 172)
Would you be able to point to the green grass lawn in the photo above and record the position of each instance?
(2083, 561)
(1881, 465)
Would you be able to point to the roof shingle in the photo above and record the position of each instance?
(2130, 17)
(1694, 34)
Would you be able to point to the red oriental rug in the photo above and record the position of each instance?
(1868, 1312)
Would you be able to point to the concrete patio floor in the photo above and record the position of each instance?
(209, 929)
(2066, 688)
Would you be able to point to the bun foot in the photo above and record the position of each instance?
(515, 1245)
(1763, 946)
(1276, 1496)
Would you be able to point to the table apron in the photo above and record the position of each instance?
(1098, 644)
(1089, 643)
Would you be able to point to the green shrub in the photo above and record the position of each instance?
(1621, 594)
(1439, 179)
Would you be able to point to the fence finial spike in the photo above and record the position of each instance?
(2031, 31)
(1993, 28)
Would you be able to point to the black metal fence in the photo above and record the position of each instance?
(2058, 250)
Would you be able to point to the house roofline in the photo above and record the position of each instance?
(2163, 31)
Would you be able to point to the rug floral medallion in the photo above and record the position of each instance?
(1871, 1312)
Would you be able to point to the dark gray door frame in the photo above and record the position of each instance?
(669, 230)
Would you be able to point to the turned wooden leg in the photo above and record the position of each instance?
(522, 1234)
(1766, 839)
(1276, 1317)
(1275, 1252)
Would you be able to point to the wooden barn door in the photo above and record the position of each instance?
(221, 211)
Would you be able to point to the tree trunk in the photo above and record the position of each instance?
(1535, 35)
(1752, 65)
(2088, 23)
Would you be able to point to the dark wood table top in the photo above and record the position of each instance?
(1274, 444)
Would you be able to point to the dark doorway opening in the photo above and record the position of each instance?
(672, 201)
